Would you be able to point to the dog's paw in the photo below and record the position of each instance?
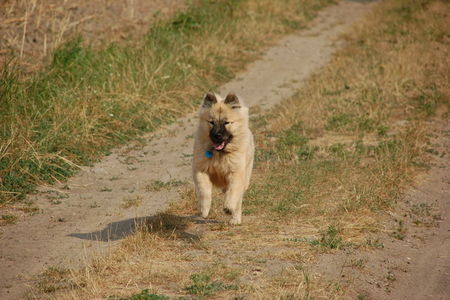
(234, 221)
(204, 213)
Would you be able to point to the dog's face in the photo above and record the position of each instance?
(222, 118)
(219, 134)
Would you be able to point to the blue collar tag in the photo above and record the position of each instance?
(208, 154)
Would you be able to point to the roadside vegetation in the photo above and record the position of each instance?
(86, 101)
(330, 161)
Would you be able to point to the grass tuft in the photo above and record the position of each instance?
(203, 286)
(143, 295)
(8, 219)
(329, 238)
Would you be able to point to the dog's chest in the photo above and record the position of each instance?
(219, 168)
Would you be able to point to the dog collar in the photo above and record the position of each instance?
(209, 154)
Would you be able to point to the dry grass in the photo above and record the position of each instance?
(33, 29)
(89, 100)
(308, 196)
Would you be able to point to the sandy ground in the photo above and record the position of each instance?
(89, 217)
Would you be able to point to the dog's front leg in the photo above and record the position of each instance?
(233, 199)
(203, 192)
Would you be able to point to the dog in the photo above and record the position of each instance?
(223, 153)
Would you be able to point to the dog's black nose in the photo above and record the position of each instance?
(217, 135)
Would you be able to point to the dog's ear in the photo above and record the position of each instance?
(232, 100)
(209, 100)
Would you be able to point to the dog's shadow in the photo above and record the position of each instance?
(165, 225)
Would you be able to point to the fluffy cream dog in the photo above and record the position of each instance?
(223, 153)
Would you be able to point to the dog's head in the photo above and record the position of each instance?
(224, 118)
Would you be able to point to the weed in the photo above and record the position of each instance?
(31, 210)
(357, 263)
(421, 209)
(400, 232)
(157, 185)
(382, 130)
(338, 121)
(143, 295)
(56, 195)
(203, 286)
(329, 238)
(339, 150)
(374, 243)
(132, 201)
(296, 240)
(426, 104)
(421, 215)
(30, 170)
(54, 279)
(292, 137)
(8, 219)
(292, 143)
(432, 151)
(366, 124)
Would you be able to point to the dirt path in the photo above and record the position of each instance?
(427, 273)
(91, 214)
(417, 266)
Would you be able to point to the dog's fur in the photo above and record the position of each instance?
(223, 132)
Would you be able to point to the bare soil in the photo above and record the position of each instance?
(100, 205)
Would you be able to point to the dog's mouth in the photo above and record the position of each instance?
(219, 146)
(220, 137)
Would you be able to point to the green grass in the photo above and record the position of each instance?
(8, 219)
(338, 121)
(143, 295)
(203, 286)
(329, 238)
(88, 100)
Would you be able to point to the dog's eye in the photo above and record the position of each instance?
(211, 122)
(226, 123)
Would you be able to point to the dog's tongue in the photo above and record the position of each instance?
(218, 146)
